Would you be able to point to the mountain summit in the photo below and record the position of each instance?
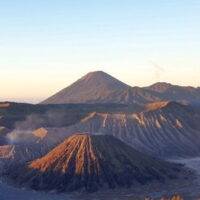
(92, 162)
(95, 87)
(100, 87)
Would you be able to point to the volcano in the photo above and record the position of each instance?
(94, 87)
(86, 162)
(100, 88)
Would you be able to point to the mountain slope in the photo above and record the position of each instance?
(95, 87)
(99, 87)
(86, 162)
(164, 129)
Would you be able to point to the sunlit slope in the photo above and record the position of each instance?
(88, 162)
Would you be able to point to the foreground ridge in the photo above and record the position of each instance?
(93, 162)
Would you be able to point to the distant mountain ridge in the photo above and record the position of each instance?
(100, 87)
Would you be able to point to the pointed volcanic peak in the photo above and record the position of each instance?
(86, 162)
(95, 87)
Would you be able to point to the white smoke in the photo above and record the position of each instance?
(17, 136)
(23, 129)
(158, 71)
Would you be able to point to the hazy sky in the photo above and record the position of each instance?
(45, 44)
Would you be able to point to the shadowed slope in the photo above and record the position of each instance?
(167, 91)
(85, 162)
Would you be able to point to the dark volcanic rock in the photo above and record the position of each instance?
(89, 162)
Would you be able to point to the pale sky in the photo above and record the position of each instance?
(45, 45)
